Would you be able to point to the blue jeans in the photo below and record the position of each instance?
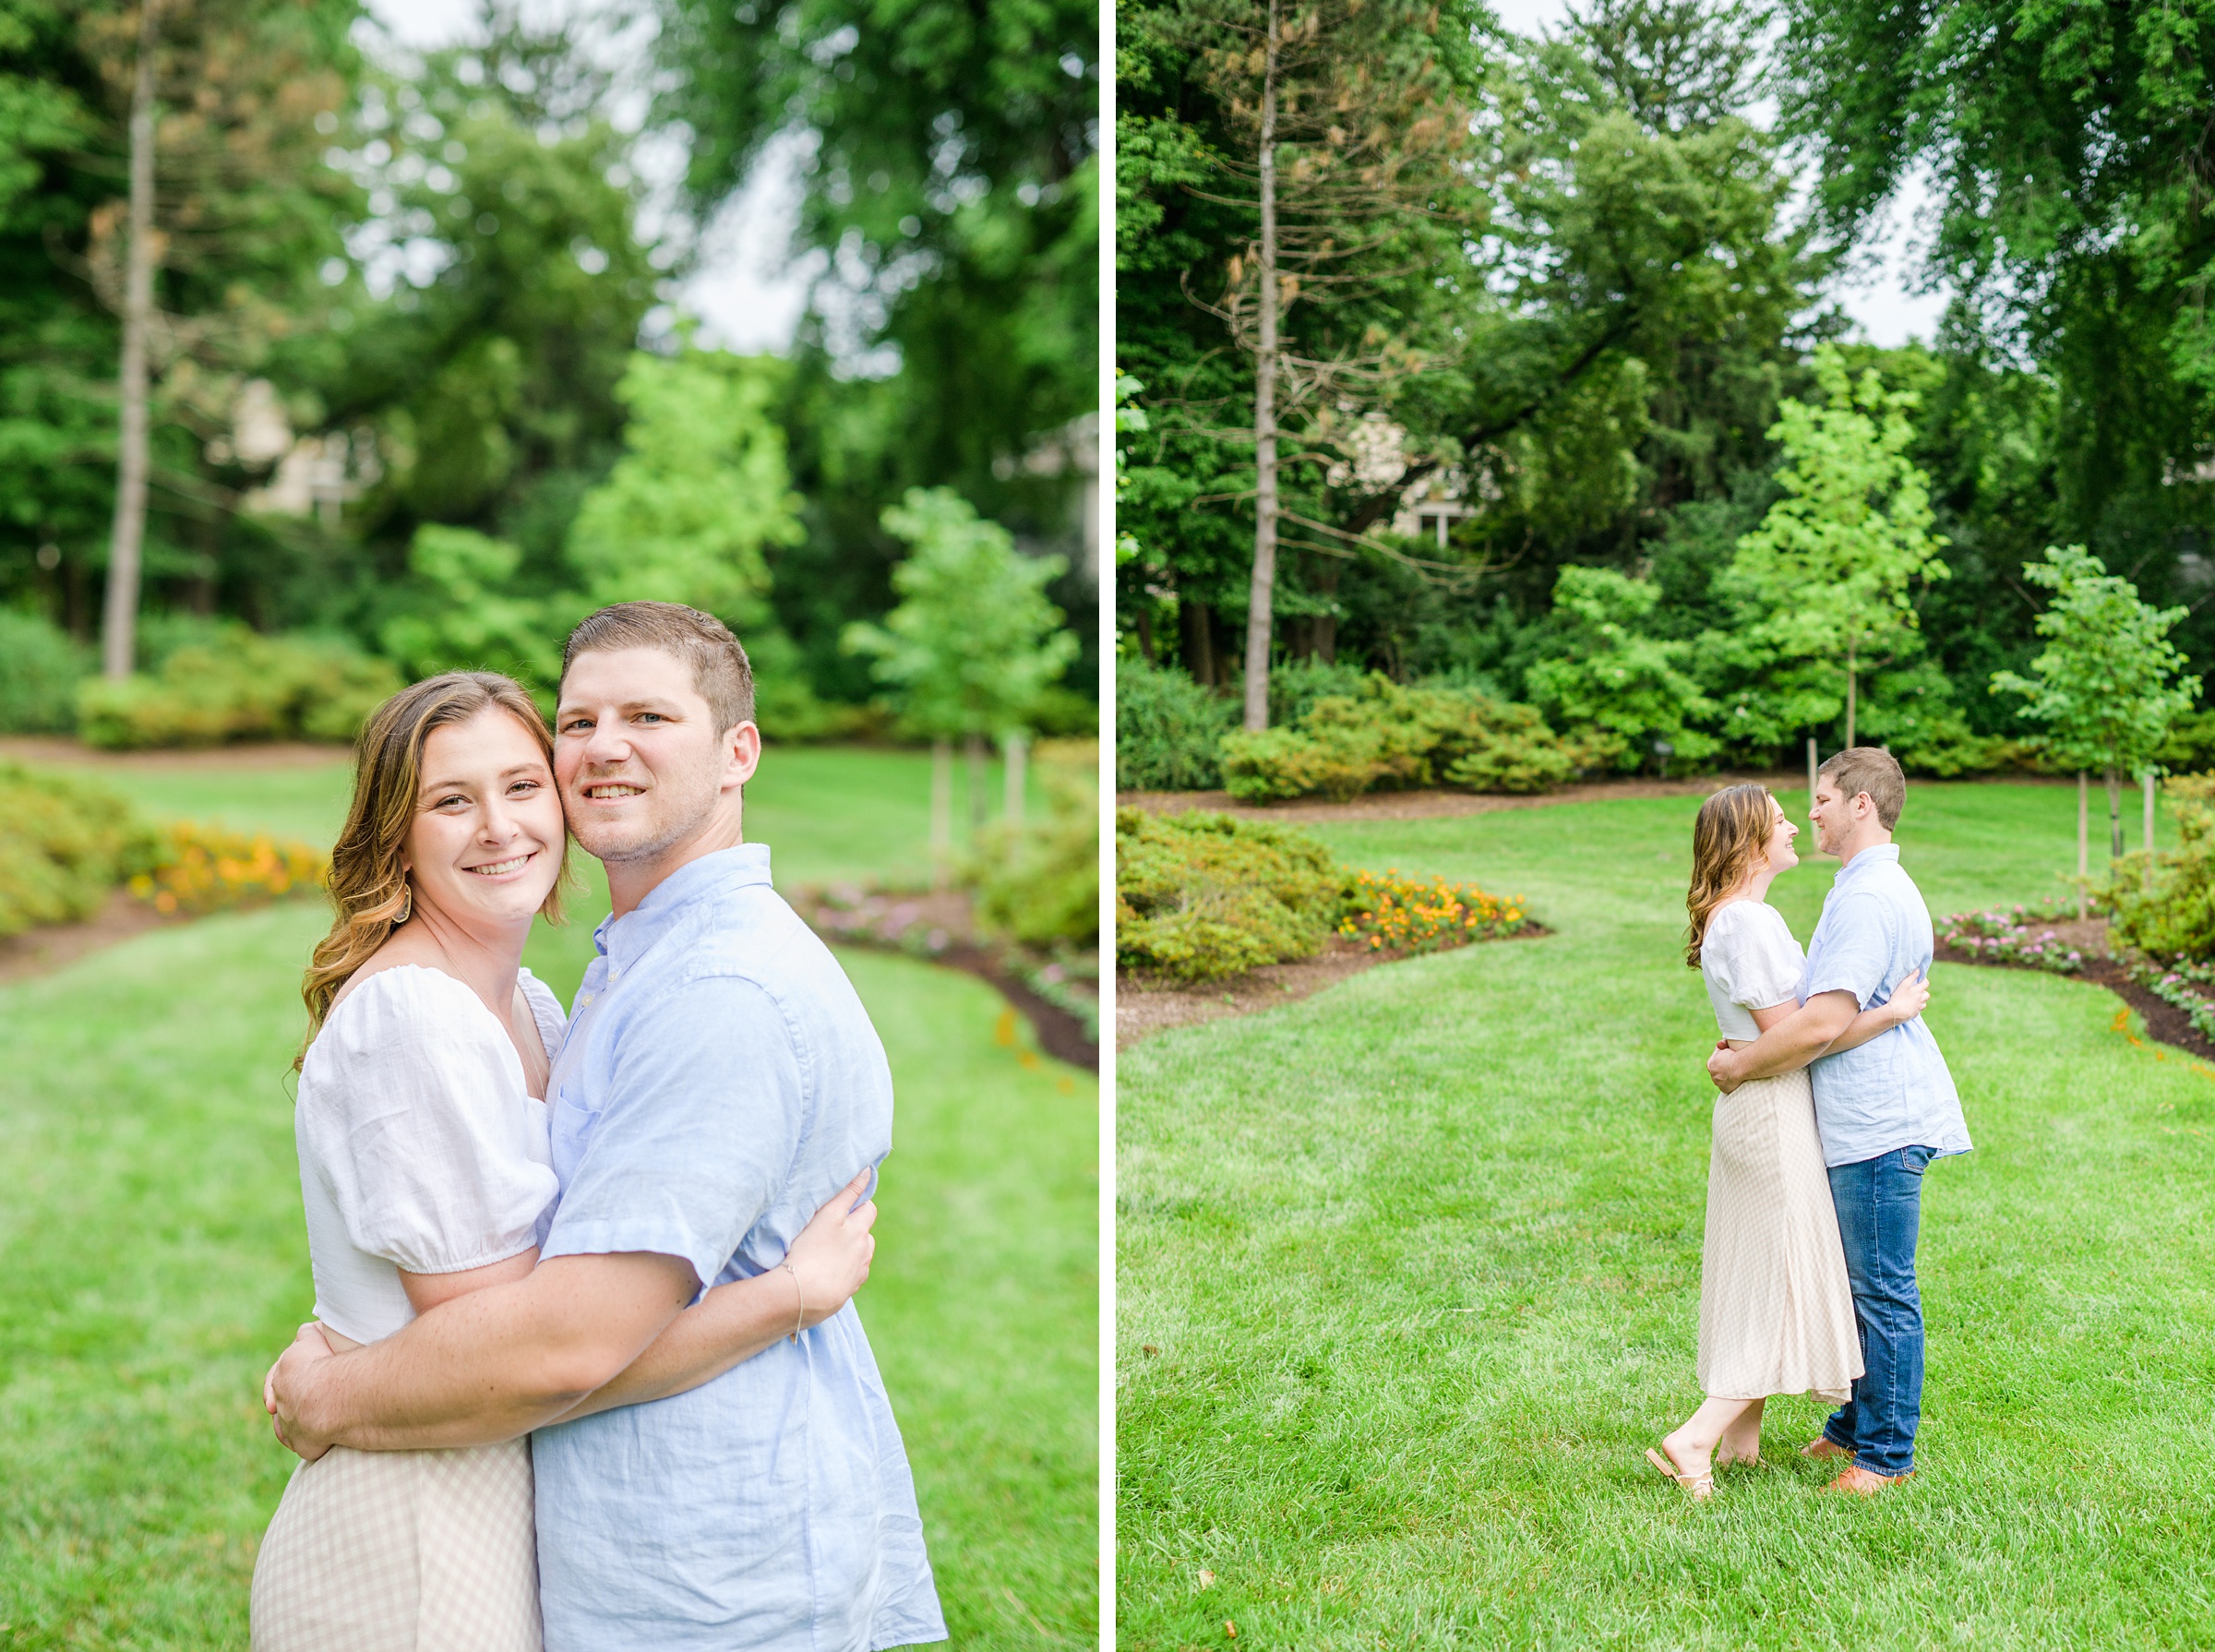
(1880, 1208)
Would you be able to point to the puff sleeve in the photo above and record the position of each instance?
(420, 1126)
(1767, 965)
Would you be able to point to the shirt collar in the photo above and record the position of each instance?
(1871, 855)
(741, 867)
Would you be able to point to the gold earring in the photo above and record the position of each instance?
(407, 904)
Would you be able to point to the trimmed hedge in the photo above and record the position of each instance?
(1200, 896)
(1390, 737)
(64, 844)
(245, 687)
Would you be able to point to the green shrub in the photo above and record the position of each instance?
(2172, 915)
(39, 668)
(1202, 897)
(1391, 735)
(1277, 764)
(1166, 729)
(1297, 685)
(247, 687)
(64, 844)
(2190, 747)
(1040, 885)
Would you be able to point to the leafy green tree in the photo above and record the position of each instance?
(948, 160)
(2066, 147)
(1832, 567)
(2107, 686)
(701, 491)
(472, 617)
(1625, 692)
(974, 643)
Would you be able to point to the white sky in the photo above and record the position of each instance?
(749, 293)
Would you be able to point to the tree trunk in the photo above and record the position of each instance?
(1326, 622)
(2114, 815)
(1850, 686)
(2084, 838)
(1145, 619)
(973, 747)
(119, 642)
(2147, 780)
(1198, 628)
(1016, 746)
(942, 809)
(1263, 590)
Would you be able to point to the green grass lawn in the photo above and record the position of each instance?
(151, 1239)
(1408, 1278)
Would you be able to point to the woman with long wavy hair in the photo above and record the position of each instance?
(426, 1173)
(1776, 1309)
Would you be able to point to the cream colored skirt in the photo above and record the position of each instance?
(1775, 1311)
(403, 1551)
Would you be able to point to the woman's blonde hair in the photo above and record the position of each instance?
(1729, 837)
(368, 884)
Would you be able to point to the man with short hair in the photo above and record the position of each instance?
(719, 1082)
(1885, 1111)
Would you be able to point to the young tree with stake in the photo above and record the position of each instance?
(973, 644)
(2108, 683)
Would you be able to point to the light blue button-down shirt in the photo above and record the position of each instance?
(719, 1082)
(1894, 1091)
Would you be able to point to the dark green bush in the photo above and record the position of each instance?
(1390, 737)
(245, 687)
(64, 844)
(1040, 885)
(39, 668)
(2190, 748)
(1167, 727)
(1200, 896)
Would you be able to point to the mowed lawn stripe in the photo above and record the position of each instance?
(1418, 1259)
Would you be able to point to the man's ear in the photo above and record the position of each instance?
(742, 753)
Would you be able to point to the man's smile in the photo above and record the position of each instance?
(607, 790)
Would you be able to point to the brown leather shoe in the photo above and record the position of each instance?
(1823, 1448)
(1860, 1482)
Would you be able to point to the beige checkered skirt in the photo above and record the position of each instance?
(1775, 1311)
(403, 1551)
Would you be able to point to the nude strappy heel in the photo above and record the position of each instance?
(1698, 1487)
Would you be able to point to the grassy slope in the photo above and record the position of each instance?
(149, 1232)
(1409, 1275)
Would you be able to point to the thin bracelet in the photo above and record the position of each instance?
(799, 1318)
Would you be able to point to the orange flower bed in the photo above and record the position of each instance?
(206, 869)
(1401, 914)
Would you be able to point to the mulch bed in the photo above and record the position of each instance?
(2164, 1022)
(934, 927)
(40, 951)
(1143, 1007)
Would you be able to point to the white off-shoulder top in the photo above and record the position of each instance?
(1750, 961)
(419, 1145)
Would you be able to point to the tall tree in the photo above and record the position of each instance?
(947, 159)
(1352, 125)
(2067, 149)
(1834, 565)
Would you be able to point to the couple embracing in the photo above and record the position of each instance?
(1834, 1100)
(585, 1375)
